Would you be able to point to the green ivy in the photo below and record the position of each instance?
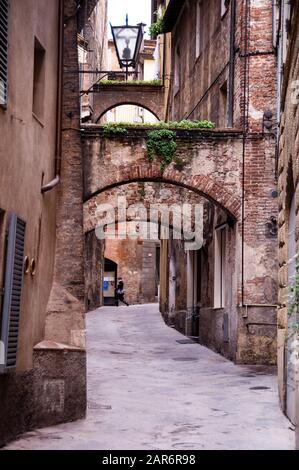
(184, 125)
(131, 82)
(113, 129)
(157, 28)
(161, 144)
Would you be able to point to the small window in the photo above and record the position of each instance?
(222, 121)
(38, 79)
(198, 29)
(219, 267)
(177, 69)
(224, 7)
(3, 50)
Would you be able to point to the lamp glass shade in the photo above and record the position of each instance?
(127, 43)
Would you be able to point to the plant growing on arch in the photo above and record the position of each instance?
(161, 144)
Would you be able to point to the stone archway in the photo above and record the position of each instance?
(211, 164)
(150, 97)
(131, 103)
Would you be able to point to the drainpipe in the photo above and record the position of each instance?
(232, 65)
(57, 165)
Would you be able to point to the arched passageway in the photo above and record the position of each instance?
(150, 97)
(113, 161)
(128, 112)
(186, 278)
(210, 165)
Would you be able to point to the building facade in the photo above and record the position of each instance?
(287, 42)
(224, 70)
(39, 384)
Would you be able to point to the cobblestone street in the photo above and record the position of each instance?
(148, 389)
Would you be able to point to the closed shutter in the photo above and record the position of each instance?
(3, 50)
(13, 290)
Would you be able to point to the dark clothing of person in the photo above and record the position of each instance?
(120, 294)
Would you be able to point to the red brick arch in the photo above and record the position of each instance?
(201, 184)
(146, 96)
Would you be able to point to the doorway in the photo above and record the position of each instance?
(109, 282)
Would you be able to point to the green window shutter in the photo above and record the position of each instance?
(12, 291)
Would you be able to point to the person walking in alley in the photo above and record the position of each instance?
(120, 293)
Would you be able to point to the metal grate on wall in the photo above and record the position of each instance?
(12, 291)
(3, 50)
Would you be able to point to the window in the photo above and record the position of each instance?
(177, 69)
(219, 267)
(198, 29)
(11, 309)
(275, 22)
(3, 50)
(222, 121)
(224, 7)
(38, 79)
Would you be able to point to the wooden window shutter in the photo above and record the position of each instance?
(12, 291)
(3, 50)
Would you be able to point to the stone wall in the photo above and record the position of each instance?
(288, 169)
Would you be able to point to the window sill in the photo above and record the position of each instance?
(38, 120)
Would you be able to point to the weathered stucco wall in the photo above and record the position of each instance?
(27, 148)
(27, 154)
(46, 370)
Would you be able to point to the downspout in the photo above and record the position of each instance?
(57, 163)
(232, 65)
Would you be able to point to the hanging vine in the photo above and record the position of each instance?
(161, 144)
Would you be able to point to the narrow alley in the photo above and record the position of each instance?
(149, 387)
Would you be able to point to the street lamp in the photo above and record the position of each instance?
(127, 40)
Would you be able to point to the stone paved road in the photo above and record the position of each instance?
(147, 391)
